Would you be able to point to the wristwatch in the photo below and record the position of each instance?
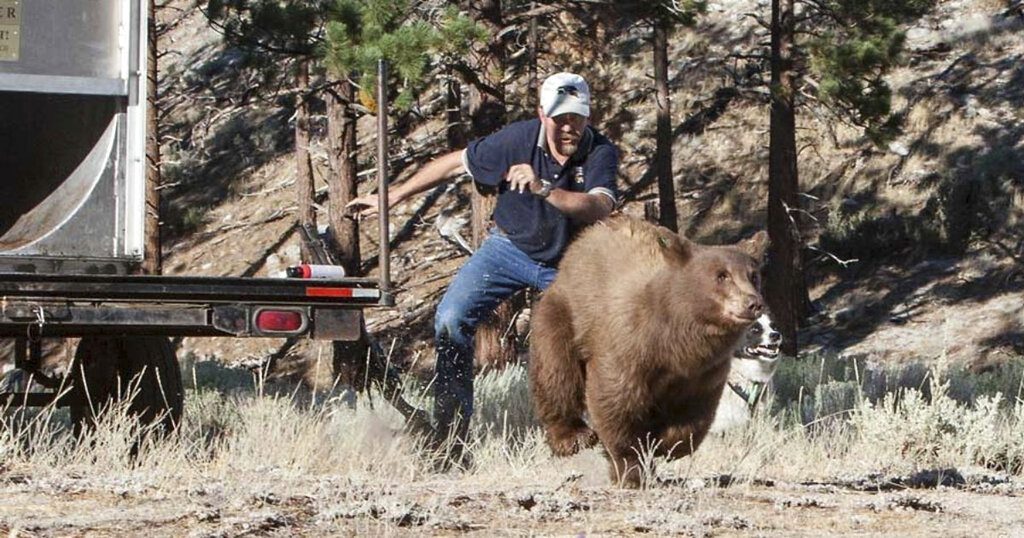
(545, 188)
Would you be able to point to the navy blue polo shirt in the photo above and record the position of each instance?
(538, 228)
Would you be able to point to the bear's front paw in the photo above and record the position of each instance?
(566, 441)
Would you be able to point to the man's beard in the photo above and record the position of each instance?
(568, 147)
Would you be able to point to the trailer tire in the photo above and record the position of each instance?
(143, 368)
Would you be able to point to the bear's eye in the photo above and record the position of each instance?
(756, 329)
(722, 276)
(755, 279)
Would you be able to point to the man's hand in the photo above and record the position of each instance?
(522, 179)
(364, 206)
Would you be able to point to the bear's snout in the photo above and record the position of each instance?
(743, 308)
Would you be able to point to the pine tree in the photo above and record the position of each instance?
(268, 28)
(359, 33)
(851, 45)
(348, 37)
(663, 17)
(153, 257)
(272, 35)
(785, 290)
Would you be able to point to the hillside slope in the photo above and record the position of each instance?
(917, 249)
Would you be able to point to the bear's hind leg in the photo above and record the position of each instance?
(681, 438)
(625, 468)
(557, 378)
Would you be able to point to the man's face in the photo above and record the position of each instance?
(564, 132)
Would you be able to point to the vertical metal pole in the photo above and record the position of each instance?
(382, 182)
(21, 352)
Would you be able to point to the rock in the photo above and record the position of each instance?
(899, 148)
(919, 38)
(970, 106)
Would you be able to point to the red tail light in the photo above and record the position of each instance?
(279, 321)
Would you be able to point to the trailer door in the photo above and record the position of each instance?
(72, 134)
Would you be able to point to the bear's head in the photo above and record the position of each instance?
(718, 285)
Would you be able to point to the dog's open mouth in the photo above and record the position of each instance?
(768, 352)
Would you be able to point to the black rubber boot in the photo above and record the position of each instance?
(450, 445)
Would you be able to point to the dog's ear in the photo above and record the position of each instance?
(756, 245)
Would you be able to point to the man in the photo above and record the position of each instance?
(554, 175)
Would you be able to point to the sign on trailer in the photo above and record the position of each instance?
(10, 30)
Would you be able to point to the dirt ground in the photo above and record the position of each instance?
(70, 506)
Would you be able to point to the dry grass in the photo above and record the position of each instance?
(333, 462)
(826, 415)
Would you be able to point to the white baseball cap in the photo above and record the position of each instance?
(565, 93)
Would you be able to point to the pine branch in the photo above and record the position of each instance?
(253, 43)
(470, 76)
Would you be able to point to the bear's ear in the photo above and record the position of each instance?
(756, 245)
(674, 245)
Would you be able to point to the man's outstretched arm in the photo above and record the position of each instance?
(432, 174)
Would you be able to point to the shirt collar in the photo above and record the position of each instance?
(582, 151)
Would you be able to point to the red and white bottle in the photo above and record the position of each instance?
(315, 271)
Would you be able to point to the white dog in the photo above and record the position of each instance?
(753, 365)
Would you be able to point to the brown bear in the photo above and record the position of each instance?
(637, 330)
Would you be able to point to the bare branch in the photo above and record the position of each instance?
(840, 261)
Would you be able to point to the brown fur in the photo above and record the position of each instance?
(637, 330)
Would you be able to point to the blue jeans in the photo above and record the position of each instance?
(493, 273)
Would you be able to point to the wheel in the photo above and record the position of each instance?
(109, 369)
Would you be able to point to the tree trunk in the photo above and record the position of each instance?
(487, 114)
(304, 188)
(663, 153)
(785, 288)
(533, 85)
(341, 186)
(152, 262)
(350, 358)
(454, 133)
(487, 101)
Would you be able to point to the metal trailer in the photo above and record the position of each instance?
(72, 180)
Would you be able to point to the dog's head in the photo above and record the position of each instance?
(761, 340)
(757, 352)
